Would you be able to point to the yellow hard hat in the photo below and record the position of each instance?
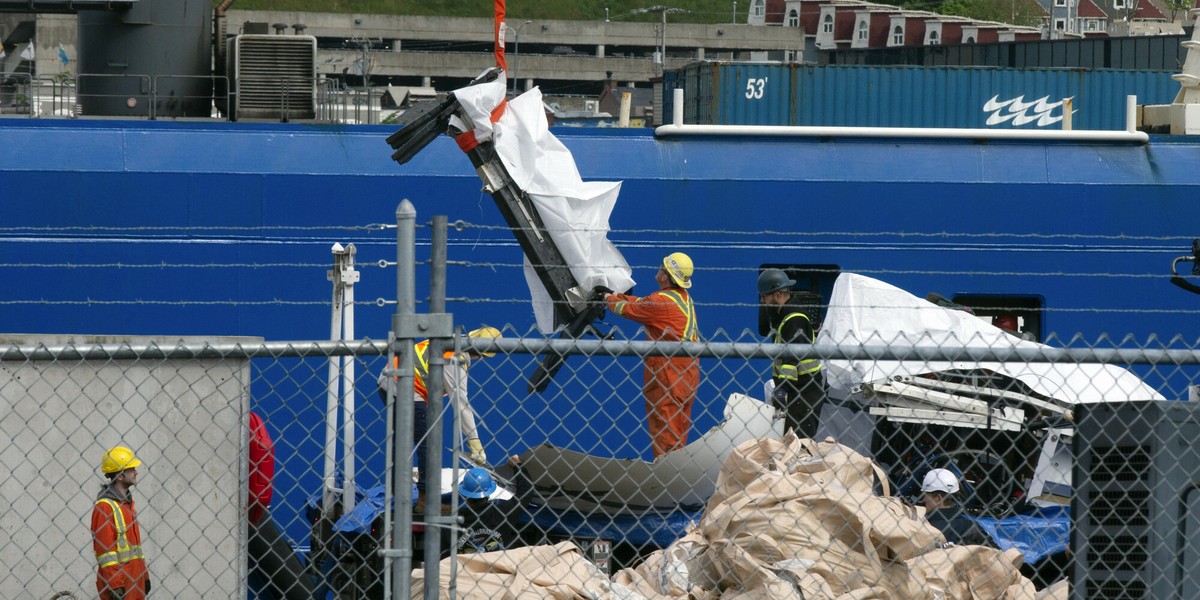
(118, 459)
(485, 332)
(679, 267)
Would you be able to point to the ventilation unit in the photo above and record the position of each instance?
(1136, 506)
(274, 77)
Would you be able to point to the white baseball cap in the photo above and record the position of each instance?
(940, 480)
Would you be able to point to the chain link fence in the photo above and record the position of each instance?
(742, 511)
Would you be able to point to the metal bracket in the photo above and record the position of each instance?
(421, 326)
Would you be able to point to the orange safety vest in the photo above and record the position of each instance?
(117, 541)
(660, 326)
(691, 331)
(420, 367)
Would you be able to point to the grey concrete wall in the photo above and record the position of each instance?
(616, 33)
(53, 30)
(185, 419)
(606, 39)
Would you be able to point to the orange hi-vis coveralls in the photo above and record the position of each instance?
(117, 541)
(669, 383)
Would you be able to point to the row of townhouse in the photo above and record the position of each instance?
(847, 24)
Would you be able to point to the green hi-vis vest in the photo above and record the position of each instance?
(124, 552)
(805, 367)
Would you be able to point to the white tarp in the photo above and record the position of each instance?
(574, 211)
(867, 311)
(686, 476)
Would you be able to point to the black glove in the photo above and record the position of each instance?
(117, 593)
(147, 585)
(598, 293)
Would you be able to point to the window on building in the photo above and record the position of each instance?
(758, 7)
(1018, 314)
(793, 18)
(1119, 3)
(862, 30)
(814, 285)
(827, 24)
(1060, 2)
(933, 38)
(898, 36)
(970, 40)
(1060, 24)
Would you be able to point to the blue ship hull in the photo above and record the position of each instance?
(240, 219)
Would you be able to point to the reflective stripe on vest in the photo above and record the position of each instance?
(691, 331)
(420, 370)
(124, 552)
(805, 367)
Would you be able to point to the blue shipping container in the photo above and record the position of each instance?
(901, 96)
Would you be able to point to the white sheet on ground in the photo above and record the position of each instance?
(867, 311)
(574, 211)
(684, 477)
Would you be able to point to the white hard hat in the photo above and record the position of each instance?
(940, 480)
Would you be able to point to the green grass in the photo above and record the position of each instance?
(699, 11)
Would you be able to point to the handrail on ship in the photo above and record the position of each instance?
(678, 129)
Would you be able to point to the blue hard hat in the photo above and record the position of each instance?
(477, 484)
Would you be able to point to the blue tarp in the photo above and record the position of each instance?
(368, 505)
(1037, 535)
(658, 529)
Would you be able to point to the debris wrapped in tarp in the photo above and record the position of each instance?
(799, 519)
(574, 211)
(790, 519)
(868, 311)
(558, 572)
(683, 478)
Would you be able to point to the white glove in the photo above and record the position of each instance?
(478, 456)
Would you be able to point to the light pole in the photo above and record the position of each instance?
(516, 52)
(664, 10)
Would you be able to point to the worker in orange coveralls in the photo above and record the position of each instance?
(116, 538)
(670, 383)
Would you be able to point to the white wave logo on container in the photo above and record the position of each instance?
(1021, 112)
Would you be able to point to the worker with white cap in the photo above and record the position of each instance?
(939, 492)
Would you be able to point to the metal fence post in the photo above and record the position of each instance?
(435, 385)
(402, 436)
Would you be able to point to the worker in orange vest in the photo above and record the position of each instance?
(116, 538)
(669, 383)
(454, 378)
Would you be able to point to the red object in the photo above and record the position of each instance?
(1005, 321)
(112, 573)
(499, 110)
(497, 25)
(668, 383)
(262, 469)
(466, 141)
